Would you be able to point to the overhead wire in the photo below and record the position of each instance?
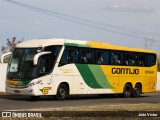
(89, 23)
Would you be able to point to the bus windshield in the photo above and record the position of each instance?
(21, 63)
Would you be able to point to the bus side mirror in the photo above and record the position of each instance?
(36, 57)
(5, 57)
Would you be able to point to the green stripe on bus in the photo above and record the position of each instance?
(87, 75)
(100, 76)
(93, 76)
(76, 45)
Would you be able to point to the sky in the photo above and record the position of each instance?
(122, 22)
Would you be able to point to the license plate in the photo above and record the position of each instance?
(17, 91)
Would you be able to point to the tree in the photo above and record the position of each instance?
(11, 44)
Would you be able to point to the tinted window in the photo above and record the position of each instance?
(142, 60)
(70, 55)
(86, 55)
(99, 57)
(115, 57)
(106, 57)
(151, 59)
(129, 58)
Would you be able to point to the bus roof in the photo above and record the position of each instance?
(77, 43)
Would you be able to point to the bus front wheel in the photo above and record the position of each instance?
(127, 91)
(62, 92)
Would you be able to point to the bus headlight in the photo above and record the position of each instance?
(34, 83)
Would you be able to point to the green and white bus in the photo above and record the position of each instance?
(63, 67)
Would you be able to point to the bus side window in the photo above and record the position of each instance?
(151, 59)
(64, 58)
(142, 59)
(54, 53)
(115, 58)
(45, 65)
(70, 55)
(86, 56)
(106, 57)
(129, 59)
(99, 57)
(83, 57)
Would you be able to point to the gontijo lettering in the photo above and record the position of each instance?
(125, 71)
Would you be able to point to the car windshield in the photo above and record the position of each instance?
(21, 63)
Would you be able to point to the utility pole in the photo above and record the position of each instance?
(149, 42)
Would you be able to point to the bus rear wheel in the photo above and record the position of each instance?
(137, 90)
(62, 92)
(127, 91)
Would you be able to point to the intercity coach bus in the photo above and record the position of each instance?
(63, 67)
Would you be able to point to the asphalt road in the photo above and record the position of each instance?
(10, 102)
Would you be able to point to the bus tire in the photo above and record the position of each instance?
(137, 90)
(62, 92)
(127, 91)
